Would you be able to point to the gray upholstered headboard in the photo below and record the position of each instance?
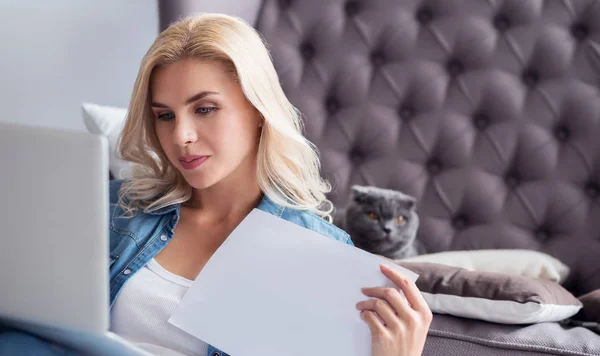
(486, 111)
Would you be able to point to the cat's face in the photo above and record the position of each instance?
(381, 219)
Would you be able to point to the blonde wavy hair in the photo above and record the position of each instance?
(288, 167)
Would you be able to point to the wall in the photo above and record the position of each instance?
(57, 54)
(245, 9)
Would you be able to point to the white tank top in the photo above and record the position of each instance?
(141, 311)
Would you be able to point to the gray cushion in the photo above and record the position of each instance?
(591, 307)
(486, 111)
(492, 296)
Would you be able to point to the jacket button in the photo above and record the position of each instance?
(163, 237)
(127, 271)
(216, 353)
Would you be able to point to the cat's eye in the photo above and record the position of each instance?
(400, 219)
(373, 216)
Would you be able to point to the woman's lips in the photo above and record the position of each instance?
(191, 162)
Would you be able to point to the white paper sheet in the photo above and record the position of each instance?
(274, 288)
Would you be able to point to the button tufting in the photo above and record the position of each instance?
(332, 106)
(424, 15)
(530, 78)
(434, 167)
(406, 112)
(307, 51)
(285, 3)
(481, 121)
(542, 234)
(352, 8)
(592, 189)
(580, 31)
(460, 222)
(454, 67)
(562, 133)
(501, 22)
(377, 58)
(512, 180)
(356, 156)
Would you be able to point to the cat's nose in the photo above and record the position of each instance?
(387, 230)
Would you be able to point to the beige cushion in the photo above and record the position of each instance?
(108, 121)
(516, 262)
(495, 297)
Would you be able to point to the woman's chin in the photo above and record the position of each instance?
(199, 181)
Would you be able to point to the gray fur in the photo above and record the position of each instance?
(383, 235)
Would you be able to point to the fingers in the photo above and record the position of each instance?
(376, 327)
(382, 309)
(410, 290)
(392, 296)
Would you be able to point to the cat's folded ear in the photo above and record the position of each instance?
(410, 202)
(360, 194)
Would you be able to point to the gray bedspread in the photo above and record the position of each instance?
(452, 336)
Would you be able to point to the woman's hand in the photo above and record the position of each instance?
(398, 325)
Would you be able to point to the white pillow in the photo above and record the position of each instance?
(516, 262)
(108, 121)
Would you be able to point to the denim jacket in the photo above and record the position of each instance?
(135, 241)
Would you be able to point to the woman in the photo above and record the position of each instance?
(213, 136)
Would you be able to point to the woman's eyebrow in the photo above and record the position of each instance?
(188, 101)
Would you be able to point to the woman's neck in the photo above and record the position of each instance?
(230, 200)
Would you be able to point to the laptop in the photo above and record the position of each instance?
(55, 239)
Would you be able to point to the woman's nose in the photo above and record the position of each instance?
(185, 132)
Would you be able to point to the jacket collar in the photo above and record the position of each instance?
(266, 204)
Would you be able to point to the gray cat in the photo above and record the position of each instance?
(383, 222)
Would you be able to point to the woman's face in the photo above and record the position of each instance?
(205, 125)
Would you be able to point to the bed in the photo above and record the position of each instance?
(486, 111)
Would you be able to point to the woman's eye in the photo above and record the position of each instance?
(205, 110)
(166, 116)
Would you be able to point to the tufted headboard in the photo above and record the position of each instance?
(486, 111)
